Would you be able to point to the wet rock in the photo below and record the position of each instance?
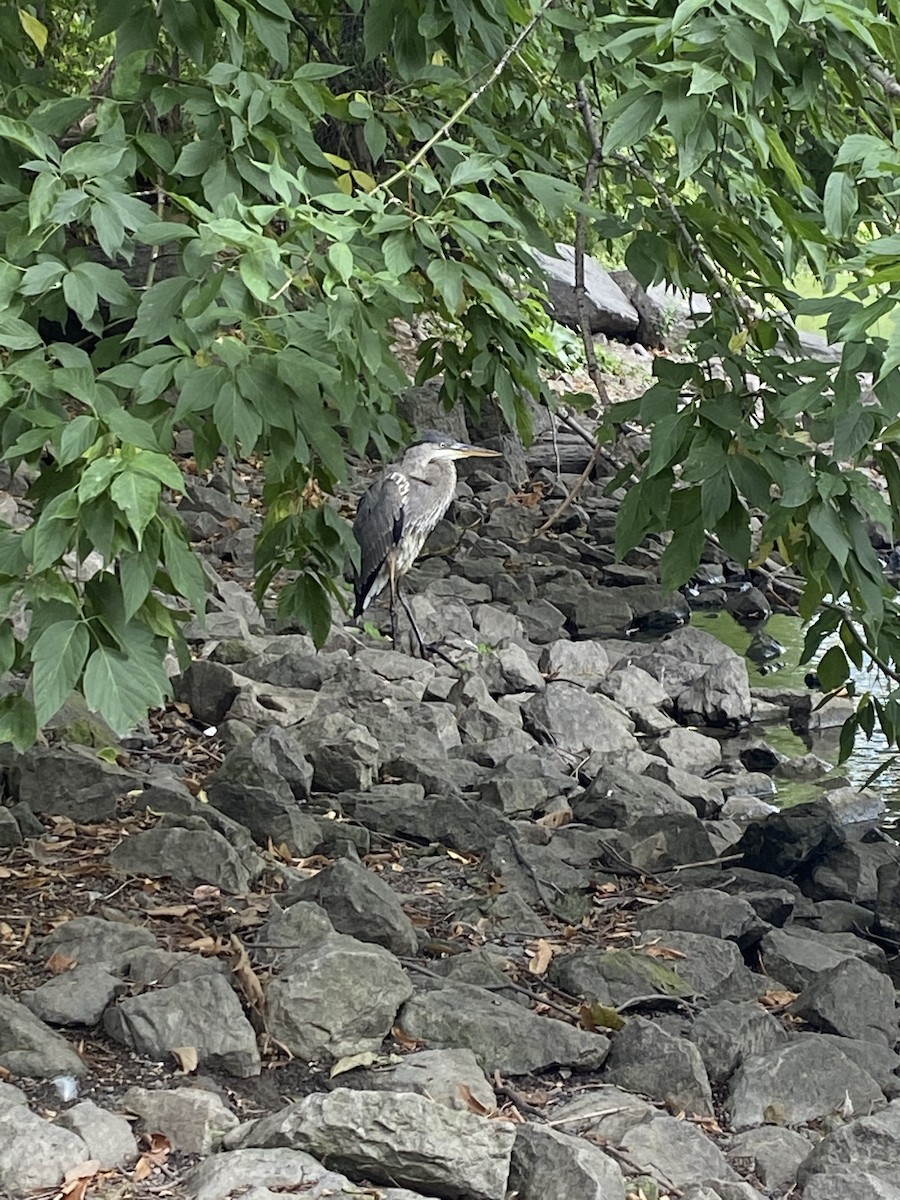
(852, 999)
(787, 840)
(673, 1152)
(203, 1013)
(549, 1165)
(35, 1153)
(868, 1145)
(335, 997)
(771, 1153)
(502, 1035)
(360, 903)
(97, 942)
(397, 1137)
(77, 997)
(730, 1032)
(107, 1136)
(707, 911)
(29, 1047)
(796, 1083)
(450, 1077)
(749, 606)
(645, 1058)
(654, 609)
(192, 1119)
(712, 968)
(191, 856)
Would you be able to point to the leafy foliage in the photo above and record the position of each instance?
(211, 214)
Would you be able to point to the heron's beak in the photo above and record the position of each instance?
(477, 452)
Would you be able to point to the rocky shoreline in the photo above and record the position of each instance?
(529, 924)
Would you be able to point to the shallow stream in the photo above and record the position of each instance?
(867, 756)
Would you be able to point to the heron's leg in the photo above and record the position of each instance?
(392, 576)
(423, 649)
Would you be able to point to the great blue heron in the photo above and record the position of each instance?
(399, 511)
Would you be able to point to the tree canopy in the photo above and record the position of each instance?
(211, 214)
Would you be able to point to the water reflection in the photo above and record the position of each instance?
(867, 756)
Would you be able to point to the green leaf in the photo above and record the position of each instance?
(161, 467)
(97, 477)
(8, 647)
(115, 690)
(184, 569)
(341, 258)
(80, 294)
(91, 159)
(58, 657)
(28, 138)
(826, 525)
(378, 26)
(833, 669)
(308, 600)
(18, 335)
(840, 203)
(77, 436)
(136, 574)
(137, 495)
(159, 307)
(17, 722)
(637, 119)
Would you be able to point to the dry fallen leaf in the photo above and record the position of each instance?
(656, 951)
(186, 1057)
(78, 1179)
(157, 1152)
(471, 1103)
(59, 963)
(245, 977)
(777, 998)
(556, 819)
(403, 1038)
(599, 1016)
(540, 960)
(204, 892)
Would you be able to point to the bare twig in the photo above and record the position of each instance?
(495, 74)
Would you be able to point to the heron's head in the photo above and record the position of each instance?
(441, 446)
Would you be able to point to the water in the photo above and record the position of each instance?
(867, 755)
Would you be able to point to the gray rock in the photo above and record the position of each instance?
(10, 833)
(797, 958)
(689, 750)
(615, 977)
(360, 903)
(706, 911)
(448, 1077)
(773, 1155)
(550, 1165)
(851, 1185)
(243, 1174)
(599, 613)
(840, 916)
(711, 967)
(10, 1095)
(645, 1058)
(787, 840)
(852, 999)
(617, 799)
(193, 1120)
(191, 856)
(398, 1137)
(69, 781)
(723, 1189)
(720, 697)
(479, 715)
(203, 1013)
(77, 997)
(337, 997)
(730, 1032)
(296, 927)
(343, 753)
(29, 1047)
(209, 689)
(510, 671)
(796, 1083)
(96, 942)
(869, 1144)
(887, 902)
(608, 308)
(442, 818)
(673, 1152)
(850, 872)
(163, 968)
(672, 840)
(107, 1136)
(502, 1035)
(882, 1064)
(584, 663)
(631, 687)
(35, 1153)
(542, 621)
(261, 784)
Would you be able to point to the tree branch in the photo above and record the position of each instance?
(467, 103)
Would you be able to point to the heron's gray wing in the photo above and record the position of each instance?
(378, 528)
